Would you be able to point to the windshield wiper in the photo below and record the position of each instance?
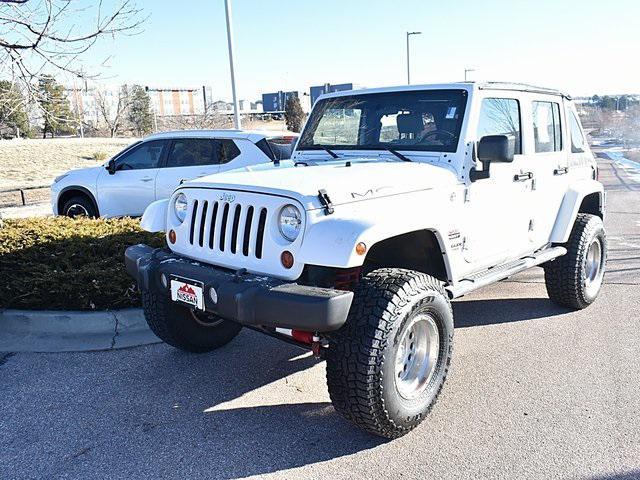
(329, 151)
(399, 155)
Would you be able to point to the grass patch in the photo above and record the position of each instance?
(69, 264)
(100, 156)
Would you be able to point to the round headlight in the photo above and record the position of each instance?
(180, 207)
(290, 222)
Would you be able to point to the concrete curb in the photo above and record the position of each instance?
(61, 331)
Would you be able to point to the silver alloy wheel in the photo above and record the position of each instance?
(77, 210)
(417, 356)
(205, 320)
(594, 267)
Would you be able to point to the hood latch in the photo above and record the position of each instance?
(325, 201)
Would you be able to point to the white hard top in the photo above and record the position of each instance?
(469, 86)
(252, 135)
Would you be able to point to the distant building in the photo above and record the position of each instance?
(172, 101)
(315, 92)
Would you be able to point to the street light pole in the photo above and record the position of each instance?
(408, 66)
(236, 109)
(467, 70)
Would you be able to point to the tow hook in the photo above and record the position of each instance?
(311, 339)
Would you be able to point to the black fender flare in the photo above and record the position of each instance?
(80, 189)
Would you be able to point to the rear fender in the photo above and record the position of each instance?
(570, 207)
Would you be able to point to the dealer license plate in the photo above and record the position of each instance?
(188, 292)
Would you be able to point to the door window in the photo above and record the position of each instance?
(577, 138)
(190, 152)
(147, 155)
(501, 116)
(547, 133)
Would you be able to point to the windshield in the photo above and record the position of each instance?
(427, 120)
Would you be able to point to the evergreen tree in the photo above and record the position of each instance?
(55, 106)
(139, 114)
(293, 114)
(13, 115)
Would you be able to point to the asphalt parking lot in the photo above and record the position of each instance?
(535, 391)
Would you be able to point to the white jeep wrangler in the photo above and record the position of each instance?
(396, 200)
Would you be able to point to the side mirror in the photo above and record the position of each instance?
(491, 149)
(496, 148)
(111, 167)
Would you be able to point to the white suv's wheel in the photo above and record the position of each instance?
(388, 363)
(575, 279)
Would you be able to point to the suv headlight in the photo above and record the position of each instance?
(289, 222)
(180, 207)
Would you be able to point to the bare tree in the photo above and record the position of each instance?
(113, 111)
(39, 37)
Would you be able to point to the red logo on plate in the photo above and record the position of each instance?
(187, 289)
(187, 294)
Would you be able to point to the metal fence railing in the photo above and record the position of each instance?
(22, 191)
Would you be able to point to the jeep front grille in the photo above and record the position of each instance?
(226, 227)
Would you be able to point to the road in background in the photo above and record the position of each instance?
(535, 391)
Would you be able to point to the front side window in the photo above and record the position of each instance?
(144, 156)
(547, 132)
(577, 138)
(428, 120)
(501, 116)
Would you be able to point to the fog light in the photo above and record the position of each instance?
(164, 281)
(361, 248)
(214, 295)
(172, 236)
(287, 259)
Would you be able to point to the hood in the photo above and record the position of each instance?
(343, 184)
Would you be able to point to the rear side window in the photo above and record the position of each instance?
(144, 156)
(547, 132)
(228, 150)
(577, 138)
(190, 152)
(501, 116)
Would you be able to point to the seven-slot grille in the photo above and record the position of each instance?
(232, 228)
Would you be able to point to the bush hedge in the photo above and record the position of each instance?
(69, 264)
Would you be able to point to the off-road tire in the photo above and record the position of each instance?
(80, 201)
(565, 277)
(176, 325)
(361, 355)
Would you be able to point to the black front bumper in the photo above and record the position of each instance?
(244, 298)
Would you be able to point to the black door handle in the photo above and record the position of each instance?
(561, 171)
(523, 177)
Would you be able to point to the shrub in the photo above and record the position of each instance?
(100, 156)
(69, 264)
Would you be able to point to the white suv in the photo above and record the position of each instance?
(153, 168)
(400, 200)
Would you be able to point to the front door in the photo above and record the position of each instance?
(496, 225)
(131, 188)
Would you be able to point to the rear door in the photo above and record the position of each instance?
(546, 159)
(188, 158)
(132, 187)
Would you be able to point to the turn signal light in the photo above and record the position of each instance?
(172, 236)
(361, 248)
(287, 259)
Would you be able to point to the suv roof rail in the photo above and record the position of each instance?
(522, 87)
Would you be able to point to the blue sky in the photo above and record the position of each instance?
(581, 46)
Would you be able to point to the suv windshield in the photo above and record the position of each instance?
(428, 120)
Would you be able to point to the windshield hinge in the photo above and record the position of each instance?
(325, 201)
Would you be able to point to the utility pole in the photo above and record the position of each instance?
(467, 70)
(236, 108)
(408, 68)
